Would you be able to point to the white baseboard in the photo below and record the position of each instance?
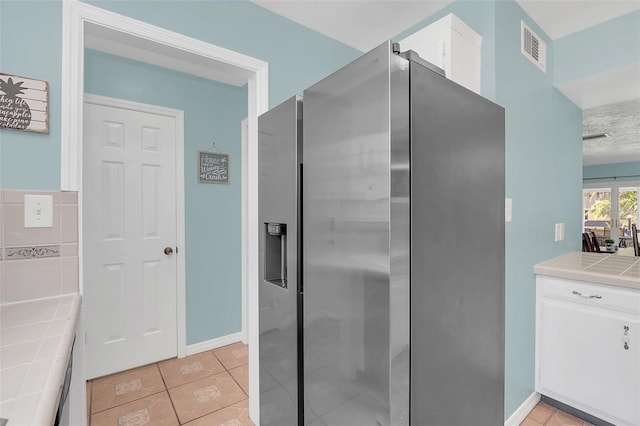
(523, 411)
(208, 345)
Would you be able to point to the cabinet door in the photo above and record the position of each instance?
(584, 363)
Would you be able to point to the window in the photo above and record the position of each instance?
(610, 209)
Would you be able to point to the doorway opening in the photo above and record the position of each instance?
(82, 25)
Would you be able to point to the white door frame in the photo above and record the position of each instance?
(74, 17)
(244, 137)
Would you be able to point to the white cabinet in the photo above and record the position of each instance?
(452, 45)
(587, 347)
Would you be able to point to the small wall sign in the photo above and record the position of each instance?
(213, 167)
(24, 104)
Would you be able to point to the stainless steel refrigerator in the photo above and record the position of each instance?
(382, 250)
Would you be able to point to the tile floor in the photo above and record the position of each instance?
(206, 389)
(544, 414)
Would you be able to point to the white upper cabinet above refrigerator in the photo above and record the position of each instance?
(452, 45)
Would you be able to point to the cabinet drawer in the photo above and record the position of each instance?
(610, 297)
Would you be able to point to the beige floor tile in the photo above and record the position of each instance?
(560, 418)
(233, 356)
(541, 412)
(530, 422)
(205, 396)
(178, 372)
(154, 410)
(234, 415)
(241, 375)
(124, 387)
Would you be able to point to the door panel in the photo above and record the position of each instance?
(280, 153)
(355, 272)
(129, 217)
(457, 254)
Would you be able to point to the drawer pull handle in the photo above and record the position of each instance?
(625, 338)
(587, 296)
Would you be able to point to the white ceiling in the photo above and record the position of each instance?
(364, 24)
(559, 18)
(361, 24)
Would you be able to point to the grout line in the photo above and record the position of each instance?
(237, 382)
(90, 399)
(166, 389)
(125, 403)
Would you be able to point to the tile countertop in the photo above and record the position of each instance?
(599, 268)
(35, 343)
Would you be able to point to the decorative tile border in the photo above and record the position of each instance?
(38, 252)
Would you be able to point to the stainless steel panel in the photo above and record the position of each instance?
(457, 247)
(399, 244)
(355, 183)
(279, 159)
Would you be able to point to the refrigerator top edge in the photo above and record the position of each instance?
(295, 98)
(387, 45)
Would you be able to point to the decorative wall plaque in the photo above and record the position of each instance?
(24, 104)
(213, 167)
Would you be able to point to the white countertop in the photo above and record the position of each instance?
(35, 343)
(599, 268)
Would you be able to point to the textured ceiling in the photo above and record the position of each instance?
(622, 121)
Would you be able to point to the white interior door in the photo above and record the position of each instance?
(129, 238)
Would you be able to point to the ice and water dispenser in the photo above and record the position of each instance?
(275, 254)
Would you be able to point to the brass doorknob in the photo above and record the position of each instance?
(168, 251)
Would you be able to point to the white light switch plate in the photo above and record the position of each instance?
(559, 231)
(508, 208)
(38, 211)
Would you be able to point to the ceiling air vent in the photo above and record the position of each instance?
(533, 47)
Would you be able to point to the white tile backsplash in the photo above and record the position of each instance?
(23, 278)
(31, 279)
(16, 235)
(68, 224)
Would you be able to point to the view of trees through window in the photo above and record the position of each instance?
(599, 210)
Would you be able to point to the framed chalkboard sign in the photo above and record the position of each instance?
(24, 104)
(213, 167)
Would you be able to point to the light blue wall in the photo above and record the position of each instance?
(297, 57)
(617, 170)
(608, 46)
(212, 112)
(543, 170)
(31, 34)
